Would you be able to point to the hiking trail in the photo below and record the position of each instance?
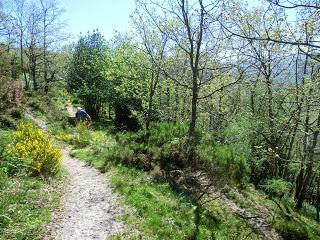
(90, 207)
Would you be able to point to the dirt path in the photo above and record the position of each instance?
(90, 208)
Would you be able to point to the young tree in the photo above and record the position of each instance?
(51, 36)
(18, 8)
(85, 73)
(154, 44)
(33, 43)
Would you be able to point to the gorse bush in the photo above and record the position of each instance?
(35, 150)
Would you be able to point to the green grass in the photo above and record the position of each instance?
(26, 204)
(159, 211)
(301, 225)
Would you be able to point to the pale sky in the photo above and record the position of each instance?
(106, 15)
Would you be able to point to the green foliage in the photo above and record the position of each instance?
(291, 230)
(222, 159)
(162, 133)
(85, 72)
(51, 106)
(79, 137)
(82, 136)
(309, 210)
(113, 73)
(277, 187)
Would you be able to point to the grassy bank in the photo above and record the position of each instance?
(160, 212)
(26, 200)
(163, 212)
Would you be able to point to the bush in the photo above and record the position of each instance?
(35, 150)
(277, 187)
(158, 145)
(162, 133)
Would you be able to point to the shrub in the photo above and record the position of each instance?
(35, 150)
(277, 187)
(162, 133)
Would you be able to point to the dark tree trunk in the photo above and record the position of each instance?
(318, 201)
(192, 125)
(124, 119)
(109, 111)
(22, 61)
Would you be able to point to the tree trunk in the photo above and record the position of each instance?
(22, 61)
(193, 120)
(309, 159)
(150, 103)
(318, 201)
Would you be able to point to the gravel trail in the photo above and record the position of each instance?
(90, 207)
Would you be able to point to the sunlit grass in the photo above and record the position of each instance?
(26, 205)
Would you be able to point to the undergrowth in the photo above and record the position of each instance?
(26, 202)
(133, 160)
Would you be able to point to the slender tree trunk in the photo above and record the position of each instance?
(318, 201)
(306, 179)
(34, 80)
(22, 61)
(193, 120)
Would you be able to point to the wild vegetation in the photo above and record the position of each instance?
(206, 115)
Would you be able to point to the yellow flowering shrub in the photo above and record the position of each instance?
(35, 149)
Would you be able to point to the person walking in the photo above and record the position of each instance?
(83, 116)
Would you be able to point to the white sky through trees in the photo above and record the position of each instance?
(106, 15)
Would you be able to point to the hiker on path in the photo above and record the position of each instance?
(83, 116)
